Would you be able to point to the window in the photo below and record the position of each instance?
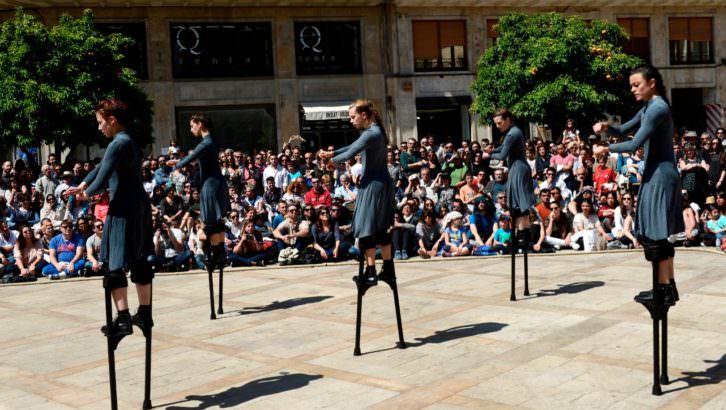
(639, 42)
(691, 40)
(492, 33)
(244, 127)
(221, 50)
(439, 45)
(135, 54)
(327, 47)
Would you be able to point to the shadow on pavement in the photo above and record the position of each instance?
(285, 304)
(713, 375)
(234, 396)
(458, 332)
(572, 288)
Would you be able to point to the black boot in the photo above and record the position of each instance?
(388, 273)
(219, 255)
(369, 276)
(143, 319)
(120, 328)
(663, 295)
(675, 290)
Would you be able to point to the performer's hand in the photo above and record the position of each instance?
(171, 162)
(599, 149)
(76, 189)
(600, 127)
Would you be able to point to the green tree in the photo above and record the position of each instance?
(548, 67)
(52, 78)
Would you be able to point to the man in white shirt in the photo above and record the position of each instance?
(277, 172)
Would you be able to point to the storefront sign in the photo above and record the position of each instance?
(327, 47)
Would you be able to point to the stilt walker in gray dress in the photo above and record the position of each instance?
(659, 200)
(520, 191)
(373, 216)
(127, 235)
(214, 202)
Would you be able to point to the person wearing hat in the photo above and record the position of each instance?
(65, 183)
(456, 242)
(659, 213)
(694, 174)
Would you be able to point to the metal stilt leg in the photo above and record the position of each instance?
(358, 281)
(147, 363)
(210, 270)
(390, 278)
(513, 251)
(664, 352)
(111, 347)
(221, 287)
(525, 248)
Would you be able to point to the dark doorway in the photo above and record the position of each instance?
(688, 111)
(447, 118)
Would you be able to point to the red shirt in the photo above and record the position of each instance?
(602, 176)
(315, 199)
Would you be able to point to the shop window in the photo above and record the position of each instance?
(439, 45)
(135, 56)
(221, 50)
(492, 33)
(639, 42)
(327, 47)
(246, 127)
(690, 40)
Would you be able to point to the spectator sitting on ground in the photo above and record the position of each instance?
(455, 240)
(403, 231)
(621, 212)
(481, 221)
(93, 251)
(496, 185)
(346, 191)
(289, 230)
(328, 240)
(499, 241)
(28, 254)
(196, 237)
(169, 251)
(272, 194)
(295, 191)
(587, 226)
(558, 229)
(66, 254)
(172, 207)
(248, 251)
(428, 235)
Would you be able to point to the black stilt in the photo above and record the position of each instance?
(221, 287)
(358, 281)
(513, 251)
(390, 278)
(525, 247)
(111, 347)
(210, 270)
(654, 301)
(147, 361)
(664, 353)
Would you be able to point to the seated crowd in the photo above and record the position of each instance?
(293, 207)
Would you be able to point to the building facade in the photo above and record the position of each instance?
(269, 69)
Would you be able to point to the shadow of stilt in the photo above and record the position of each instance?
(234, 396)
(572, 288)
(713, 375)
(285, 304)
(458, 332)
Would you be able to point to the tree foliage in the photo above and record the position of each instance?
(548, 67)
(52, 78)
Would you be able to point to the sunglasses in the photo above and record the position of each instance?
(66, 227)
(99, 226)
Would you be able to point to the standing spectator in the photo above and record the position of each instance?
(66, 254)
(570, 133)
(694, 175)
(47, 183)
(277, 172)
(717, 164)
(394, 169)
(542, 160)
(411, 162)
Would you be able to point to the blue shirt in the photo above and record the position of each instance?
(66, 250)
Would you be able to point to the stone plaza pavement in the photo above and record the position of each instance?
(286, 339)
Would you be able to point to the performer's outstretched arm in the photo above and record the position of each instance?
(501, 152)
(108, 164)
(359, 145)
(200, 148)
(653, 117)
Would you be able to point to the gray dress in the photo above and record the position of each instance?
(659, 213)
(520, 191)
(213, 197)
(375, 202)
(127, 233)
